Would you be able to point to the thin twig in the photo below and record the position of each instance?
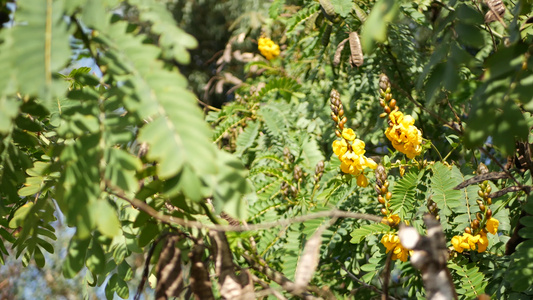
(364, 284)
(207, 105)
(240, 228)
(492, 158)
(386, 277)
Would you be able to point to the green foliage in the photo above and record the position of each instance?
(119, 149)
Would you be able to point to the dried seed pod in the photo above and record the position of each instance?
(338, 52)
(327, 7)
(356, 58)
(326, 35)
(496, 10)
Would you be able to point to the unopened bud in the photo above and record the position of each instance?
(383, 115)
(384, 211)
(482, 207)
(384, 82)
(388, 195)
(392, 103)
(337, 133)
(488, 213)
(479, 216)
(482, 169)
(475, 224)
(381, 199)
(468, 230)
(387, 109)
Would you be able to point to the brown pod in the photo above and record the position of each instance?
(356, 58)
(338, 52)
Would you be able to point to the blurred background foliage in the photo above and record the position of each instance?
(119, 124)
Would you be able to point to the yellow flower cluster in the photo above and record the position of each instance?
(351, 154)
(478, 241)
(392, 243)
(470, 242)
(268, 48)
(403, 134)
(391, 220)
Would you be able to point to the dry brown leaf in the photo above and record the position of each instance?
(338, 52)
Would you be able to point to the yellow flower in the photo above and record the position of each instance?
(340, 147)
(268, 48)
(349, 134)
(362, 181)
(391, 220)
(392, 243)
(456, 243)
(369, 162)
(492, 225)
(358, 147)
(483, 242)
(403, 134)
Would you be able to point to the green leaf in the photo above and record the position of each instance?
(447, 199)
(342, 7)
(96, 262)
(230, 186)
(247, 138)
(177, 134)
(39, 47)
(361, 233)
(404, 195)
(375, 27)
(9, 109)
(75, 259)
(107, 221)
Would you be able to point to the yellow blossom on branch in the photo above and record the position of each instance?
(392, 243)
(492, 225)
(403, 134)
(467, 241)
(350, 152)
(268, 48)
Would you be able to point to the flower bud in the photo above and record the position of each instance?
(475, 224)
(334, 117)
(480, 193)
(384, 211)
(382, 102)
(388, 195)
(468, 230)
(341, 112)
(392, 103)
(387, 109)
(479, 216)
(381, 199)
(383, 115)
(489, 201)
(488, 189)
(377, 189)
(386, 184)
(488, 213)
(482, 169)
(384, 82)
(344, 120)
(337, 133)
(482, 207)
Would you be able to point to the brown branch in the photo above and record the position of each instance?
(364, 284)
(386, 277)
(492, 158)
(143, 206)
